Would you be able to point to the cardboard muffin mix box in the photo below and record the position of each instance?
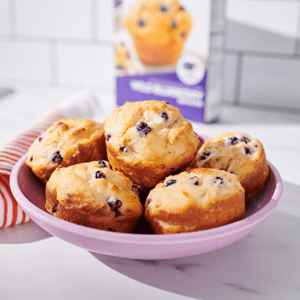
(171, 50)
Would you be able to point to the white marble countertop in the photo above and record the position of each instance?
(263, 265)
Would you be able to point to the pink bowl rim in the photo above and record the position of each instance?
(132, 238)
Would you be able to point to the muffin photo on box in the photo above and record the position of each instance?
(196, 200)
(123, 62)
(93, 195)
(159, 29)
(237, 153)
(66, 142)
(148, 140)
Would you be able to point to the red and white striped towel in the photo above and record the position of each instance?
(82, 104)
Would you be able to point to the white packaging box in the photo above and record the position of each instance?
(171, 51)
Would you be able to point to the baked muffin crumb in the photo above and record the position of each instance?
(237, 153)
(148, 140)
(66, 142)
(196, 200)
(93, 195)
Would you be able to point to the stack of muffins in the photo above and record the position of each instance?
(95, 173)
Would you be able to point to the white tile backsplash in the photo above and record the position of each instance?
(244, 37)
(25, 60)
(264, 25)
(278, 17)
(82, 65)
(4, 17)
(105, 20)
(69, 19)
(271, 81)
(70, 42)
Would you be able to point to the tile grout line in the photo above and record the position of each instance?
(61, 85)
(269, 107)
(261, 54)
(238, 79)
(66, 41)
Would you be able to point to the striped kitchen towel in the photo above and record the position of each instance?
(82, 104)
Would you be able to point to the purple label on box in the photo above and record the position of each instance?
(190, 99)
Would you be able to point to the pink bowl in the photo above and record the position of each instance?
(30, 194)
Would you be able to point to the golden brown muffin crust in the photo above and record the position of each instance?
(195, 200)
(237, 153)
(149, 140)
(66, 142)
(95, 196)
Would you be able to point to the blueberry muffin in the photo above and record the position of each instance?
(159, 30)
(196, 200)
(148, 140)
(93, 195)
(66, 142)
(123, 61)
(237, 153)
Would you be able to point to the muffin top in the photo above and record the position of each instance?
(199, 188)
(94, 184)
(149, 132)
(62, 140)
(235, 152)
(159, 21)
